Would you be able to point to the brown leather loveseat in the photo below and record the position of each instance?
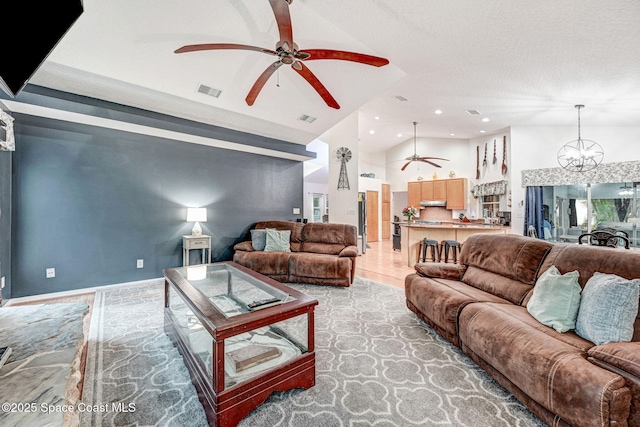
(480, 305)
(321, 253)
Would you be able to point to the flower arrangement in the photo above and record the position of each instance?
(410, 212)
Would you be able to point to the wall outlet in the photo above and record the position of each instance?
(50, 273)
(296, 211)
(2, 282)
(140, 263)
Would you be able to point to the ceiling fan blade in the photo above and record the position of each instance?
(431, 163)
(317, 85)
(262, 80)
(283, 18)
(345, 56)
(433, 158)
(222, 46)
(405, 165)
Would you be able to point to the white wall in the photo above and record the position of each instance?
(536, 147)
(372, 163)
(456, 150)
(343, 203)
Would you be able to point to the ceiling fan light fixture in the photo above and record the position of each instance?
(580, 155)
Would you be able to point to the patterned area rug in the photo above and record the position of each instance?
(377, 364)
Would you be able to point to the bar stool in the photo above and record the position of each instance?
(427, 244)
(450, 246)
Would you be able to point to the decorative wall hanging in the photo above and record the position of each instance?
(580, 155)
(7, 142)
(344, 155)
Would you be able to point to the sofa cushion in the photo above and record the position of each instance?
(549, 367)
(304, 264)
(608, 309)
(516, 257)
(589, 259)
(556, 299)
(295, 227)
(258, 239)
(277, 240)
(327, 239)
(268, 263)
(441, 300)
(512, 263)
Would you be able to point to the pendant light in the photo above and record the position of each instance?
(580, 155)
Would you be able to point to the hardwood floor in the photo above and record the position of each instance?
(382, 264)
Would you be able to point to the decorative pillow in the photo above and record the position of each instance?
(277, 240)
(608, 309)
(258, 239)
(556, 299)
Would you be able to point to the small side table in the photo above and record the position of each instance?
(195, 242)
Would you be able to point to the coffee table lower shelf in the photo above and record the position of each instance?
(230, 406)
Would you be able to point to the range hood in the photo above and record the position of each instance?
(427, 203)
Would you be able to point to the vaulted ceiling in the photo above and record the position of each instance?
(515, 62)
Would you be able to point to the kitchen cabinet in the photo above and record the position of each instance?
(414, 194)
(454, 191)
(457, 193)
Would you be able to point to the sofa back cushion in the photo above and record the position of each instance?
(591, 259)
(295, 227)
(503, 265)
(330, 239)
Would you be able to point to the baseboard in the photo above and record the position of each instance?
(74, 292)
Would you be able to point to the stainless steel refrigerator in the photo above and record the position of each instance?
(362, 221)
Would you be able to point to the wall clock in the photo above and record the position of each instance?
(344, 155)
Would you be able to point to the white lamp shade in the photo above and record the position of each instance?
(196, 214)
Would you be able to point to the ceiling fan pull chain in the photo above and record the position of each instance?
(278, 78)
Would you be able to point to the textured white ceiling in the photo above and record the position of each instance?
(517, 62)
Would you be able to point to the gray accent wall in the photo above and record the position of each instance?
(5, 221)
(89, 201)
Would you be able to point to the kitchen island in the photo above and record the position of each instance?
(413, 234)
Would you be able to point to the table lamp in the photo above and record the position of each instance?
(196, 215)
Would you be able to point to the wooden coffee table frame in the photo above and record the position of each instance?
(226, 407)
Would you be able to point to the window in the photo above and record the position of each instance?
(572, 210)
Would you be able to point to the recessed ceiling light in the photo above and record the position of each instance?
(400, 98)
(371, 132)
(452, 134)
(438, 111)
(486, 119)
(377, 118)
(399, 135)
(482, 131)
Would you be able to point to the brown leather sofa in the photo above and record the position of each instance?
(321, 253)
(480, 306)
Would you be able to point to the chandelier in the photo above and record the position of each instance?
(580, 155)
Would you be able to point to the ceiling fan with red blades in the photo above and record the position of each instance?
(416, 158)
(288, 53)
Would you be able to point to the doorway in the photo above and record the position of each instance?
(372, 216)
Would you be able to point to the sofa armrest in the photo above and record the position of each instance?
(350, 251)
(622, 355)
(243, 246)
(440, 270)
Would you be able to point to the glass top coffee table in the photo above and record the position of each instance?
(242, 336)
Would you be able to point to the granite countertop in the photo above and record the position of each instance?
(454, 225)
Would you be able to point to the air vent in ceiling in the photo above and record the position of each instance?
(473, 112)
(400, 98)
(306, 118)
(209, 91)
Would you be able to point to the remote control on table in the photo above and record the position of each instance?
(262, 302)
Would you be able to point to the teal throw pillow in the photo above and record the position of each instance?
(556, 299)
(608, 309)
(258, 239)
(277, 240)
